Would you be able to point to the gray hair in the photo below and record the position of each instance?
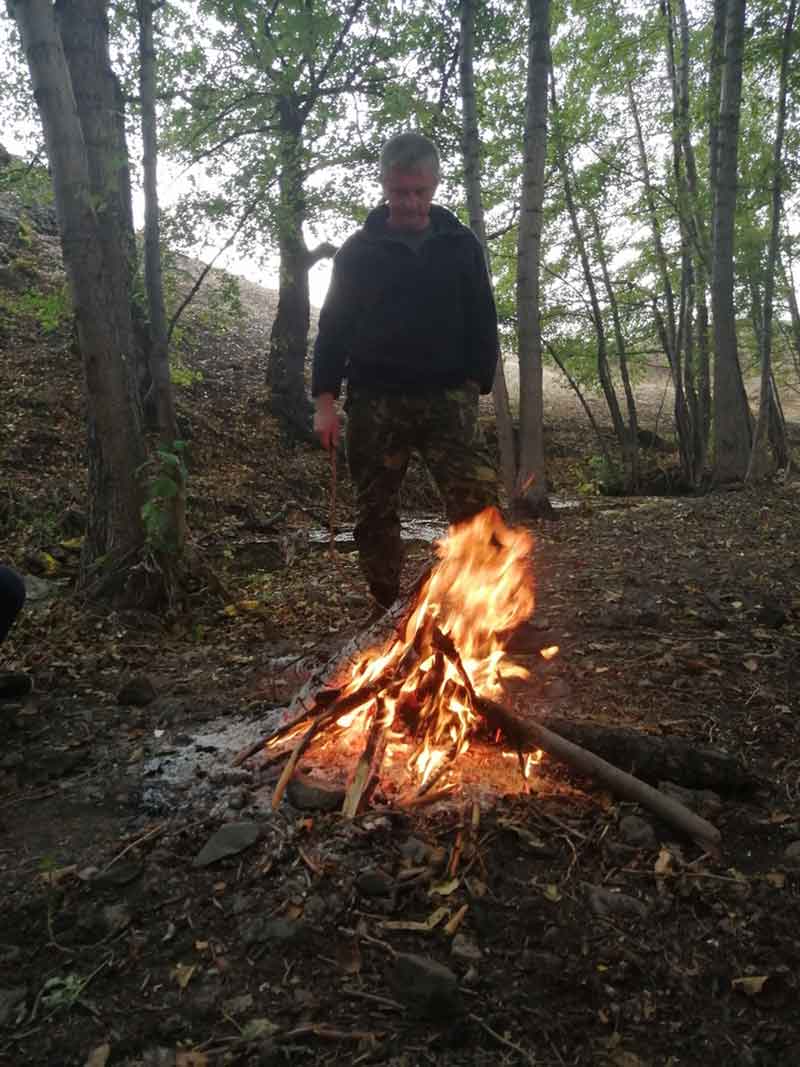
(409, 151)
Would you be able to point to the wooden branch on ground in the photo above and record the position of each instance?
(656, 758)
(528, 735)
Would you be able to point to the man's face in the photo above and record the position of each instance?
(409, 194)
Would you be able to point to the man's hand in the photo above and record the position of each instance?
(326, 421)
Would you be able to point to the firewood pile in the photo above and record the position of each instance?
(431, 678)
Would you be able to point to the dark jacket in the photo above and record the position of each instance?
(401, 319)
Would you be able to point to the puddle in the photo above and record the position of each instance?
(426, 529)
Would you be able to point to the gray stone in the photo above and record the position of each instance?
(465, 949)
(309, 794)
(229, 840)
(10, 1000)
(137, 692)
(792, 853)
(637, 832)
(609, 905)
(118, 874)
(262, 930)
(429, 989)
(375, 883)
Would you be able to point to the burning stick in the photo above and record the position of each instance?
(336, 710)
(533, 735)
(365, 775)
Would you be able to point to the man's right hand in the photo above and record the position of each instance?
(326, 421)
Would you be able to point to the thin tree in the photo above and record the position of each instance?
(161, 396)
(470, 142)
(731, 413)
(94, 268)
(531, 490)
(769, 412)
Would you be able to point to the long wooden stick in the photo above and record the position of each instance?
(368, 766)
(529, 735)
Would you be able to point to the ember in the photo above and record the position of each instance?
(421, 690)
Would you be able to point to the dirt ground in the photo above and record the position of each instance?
(553, 926)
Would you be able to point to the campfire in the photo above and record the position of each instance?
(426, 691)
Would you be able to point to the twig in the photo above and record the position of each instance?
(138, 841)
(503, 1040)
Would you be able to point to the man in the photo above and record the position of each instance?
(410, 322)
(12, 597)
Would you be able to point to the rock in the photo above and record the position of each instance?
(465, 949)
(281, 931)
(704, 801)
(792, 853)
(39, 590)
(607, 904)
(118, 874)
(418, 852)
(375, 882)
(310, 794)
(10, 1000)
(637, 832)
(138, 692)
(229, 840)
(429, 989)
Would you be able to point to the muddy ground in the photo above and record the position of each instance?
(551, 926)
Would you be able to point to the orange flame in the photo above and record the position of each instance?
(450, 652)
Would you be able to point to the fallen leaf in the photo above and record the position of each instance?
(751, 985)
(429, 924)
(777, 879)
(348, 956)
(750, 664)
(238, 1005)
(453, 924)
(186, 1057)
(99, 1057)
(182, 973)
(664, 863)
(551, 892)
(444, 889)
(58, 874)
(258, 1028)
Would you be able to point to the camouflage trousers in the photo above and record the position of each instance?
(383, 429)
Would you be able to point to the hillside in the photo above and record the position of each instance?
(555, 924)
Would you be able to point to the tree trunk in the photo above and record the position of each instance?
(173, 536)
(289, 336)
(531, 479)
(732, 431)
(83, 28)
(625, 440)
(666, 323)
(95, 269)
(162, 396)
(622, 352)
(470, 140)
(761, 462)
